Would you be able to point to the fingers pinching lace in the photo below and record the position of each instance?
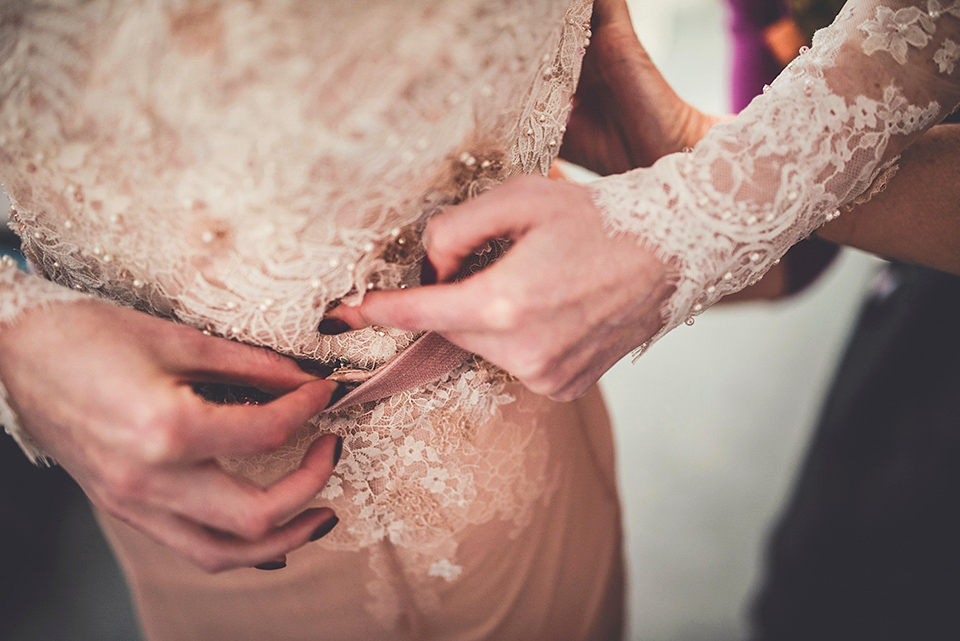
(210, 497)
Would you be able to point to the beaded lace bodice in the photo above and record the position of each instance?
(242, 166)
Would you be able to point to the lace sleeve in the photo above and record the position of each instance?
(829, 127)
(20, 292)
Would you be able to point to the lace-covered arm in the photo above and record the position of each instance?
(831, 126)
(20, 292)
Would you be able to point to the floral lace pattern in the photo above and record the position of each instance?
(947, 56)
(725, 212)
(196, 161)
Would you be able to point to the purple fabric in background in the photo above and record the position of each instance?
(753, 67)
(753, 63)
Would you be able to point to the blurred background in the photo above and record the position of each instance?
(711, 425)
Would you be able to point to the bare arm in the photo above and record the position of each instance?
(917, 218)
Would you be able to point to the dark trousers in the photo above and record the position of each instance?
(869, 545)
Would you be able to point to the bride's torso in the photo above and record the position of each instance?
(243, 166)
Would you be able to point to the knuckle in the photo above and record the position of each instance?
(254, 526)
(165, 442)
(123, 482)
(503, 313)
(273, 436)
(210, 563)
(160, 436)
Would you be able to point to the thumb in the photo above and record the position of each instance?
(460, 231)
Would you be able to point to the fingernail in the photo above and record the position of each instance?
(428, 273)
(271, 565)
(314, 368)
(338, 393)
(325, 528)
(338, 451)
(332, 326)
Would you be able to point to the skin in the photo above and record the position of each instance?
(106, 391)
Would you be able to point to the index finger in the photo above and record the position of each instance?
(465, 306)
(235, 430)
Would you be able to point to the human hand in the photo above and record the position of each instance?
(563, 305)
(625, 114)
(107, 392)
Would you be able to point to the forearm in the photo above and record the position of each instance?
(917, 218)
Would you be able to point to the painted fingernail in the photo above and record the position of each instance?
(271, 565)
(428, 273)
(332, 326)
(325, 528)
(314, 368)
(338, 393)
(338, 451)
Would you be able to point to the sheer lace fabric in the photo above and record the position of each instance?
(242, 166)
(830, 126)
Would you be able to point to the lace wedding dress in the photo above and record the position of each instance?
(243, 166)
